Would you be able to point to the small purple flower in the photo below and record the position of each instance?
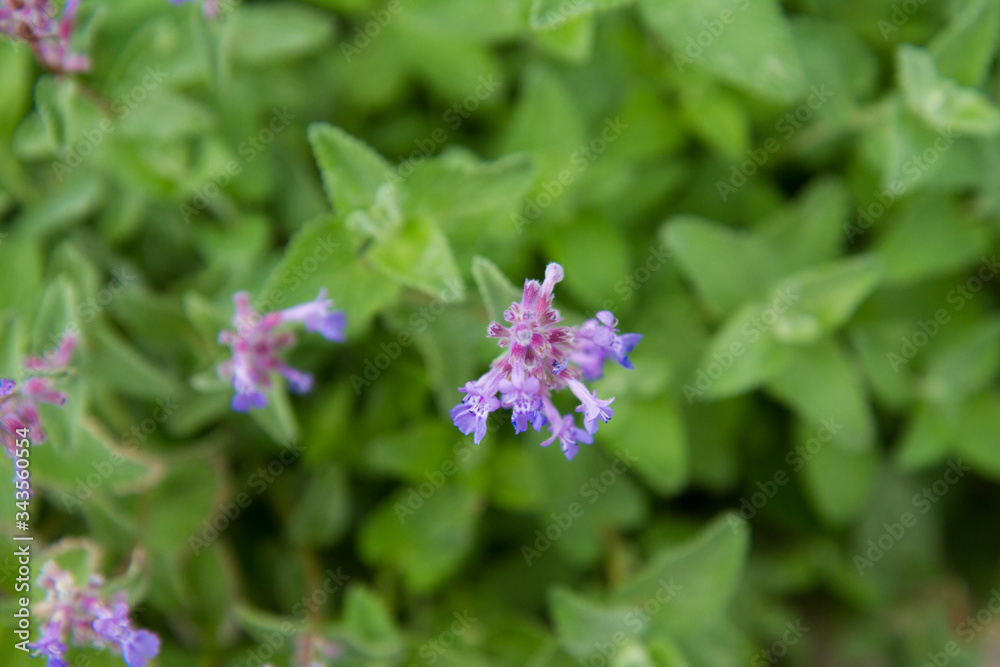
(256, 345)
(136, 646)
(318, 317)
(569, 436)
(523, 400)
(81, 616)
(471, 414)
(598, 341)
(50, 646)
(541, 358)
(19, 405)
(55, 360)
(592, 407)
(34, 22)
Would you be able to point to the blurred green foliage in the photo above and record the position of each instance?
(795, 203)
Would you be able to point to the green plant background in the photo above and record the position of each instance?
(419, 174)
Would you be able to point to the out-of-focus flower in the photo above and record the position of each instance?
(114, 625)
(19, 405)
(256, 345)
(542, 358)
(34, 22)
(81, 616)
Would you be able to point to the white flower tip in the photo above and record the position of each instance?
(553, 274)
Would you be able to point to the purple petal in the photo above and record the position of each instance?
(140, 647)
(330, 326)
(244, 402)
(298, 381)
(569, 449)
(107, 628)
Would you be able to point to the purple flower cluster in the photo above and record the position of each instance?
(34, 22)
(542, 358)
(81, 617)
(19, 406)
(209, 8)
(256, 344)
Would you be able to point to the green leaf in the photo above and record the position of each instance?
(976, 438)
(727, 266)
(495, 288)
(323, 510)
(259, 35)
(917, 156)
(839, 60)
(352, 171)
(413, 452)
(824, 297)
(55, 315)
(551, 14)
(838, 481)
(425, 539)
(572, 40)
(967, 46)
(50, 100)
(584, 627)
(742, 355)
(719, 118)
(963, 366)
(419, 255)
(370, 622)
(633, 654)
(654, 432)
(926, 440)
(322, 254)
(166, 116)
(517, 481)
(930, 237)
(810, 230)
(750, 44)
(574, 493)
(467, 197)
(206, 317)
(500, 20)
(545, 124)
(16, 73)
(211, 580)
(825, 387)
(67, 204)
(592, 237)
(181, 508)
(264, 626)
(114, 363)
(382, 220)
(277, 418)
(940, 102)
(94, 465)
(878, 346)
(453, 345)
(699, 578)
(21, 280)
